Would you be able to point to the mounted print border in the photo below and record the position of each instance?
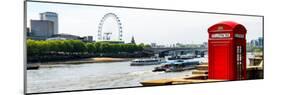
(81, 47)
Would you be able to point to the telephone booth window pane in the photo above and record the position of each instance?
(239, 62)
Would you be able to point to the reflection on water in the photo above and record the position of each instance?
(92, 76)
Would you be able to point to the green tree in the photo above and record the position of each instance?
(91, 48)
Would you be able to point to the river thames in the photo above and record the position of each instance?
(64, 77)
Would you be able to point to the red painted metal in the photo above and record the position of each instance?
(227, 51)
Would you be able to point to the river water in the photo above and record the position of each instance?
(92, 76)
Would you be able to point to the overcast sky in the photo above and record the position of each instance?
(147, 26)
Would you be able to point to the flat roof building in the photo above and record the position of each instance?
(42, 28)
(67, 36)
(51, 16)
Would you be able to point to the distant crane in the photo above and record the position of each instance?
(107, 36)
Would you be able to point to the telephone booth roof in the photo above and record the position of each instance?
(227, 26)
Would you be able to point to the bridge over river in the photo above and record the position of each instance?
(164, 51)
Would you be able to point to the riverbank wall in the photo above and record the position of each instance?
(81, 56)
(88, 60)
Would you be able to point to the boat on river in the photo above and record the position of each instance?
(32, 66)
(179, 57)
(178, 65)
(147, 61)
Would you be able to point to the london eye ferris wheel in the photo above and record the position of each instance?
(113, 19)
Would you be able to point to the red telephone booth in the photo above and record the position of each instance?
(227, 51)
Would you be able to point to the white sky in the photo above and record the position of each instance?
(147, 26)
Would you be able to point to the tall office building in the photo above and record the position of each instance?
(51, 16)
(260, 40)
(254, 43)
(42, 28)
(257, 42)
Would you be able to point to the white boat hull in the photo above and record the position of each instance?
(145, 63)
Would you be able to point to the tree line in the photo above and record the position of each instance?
(70, 47)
